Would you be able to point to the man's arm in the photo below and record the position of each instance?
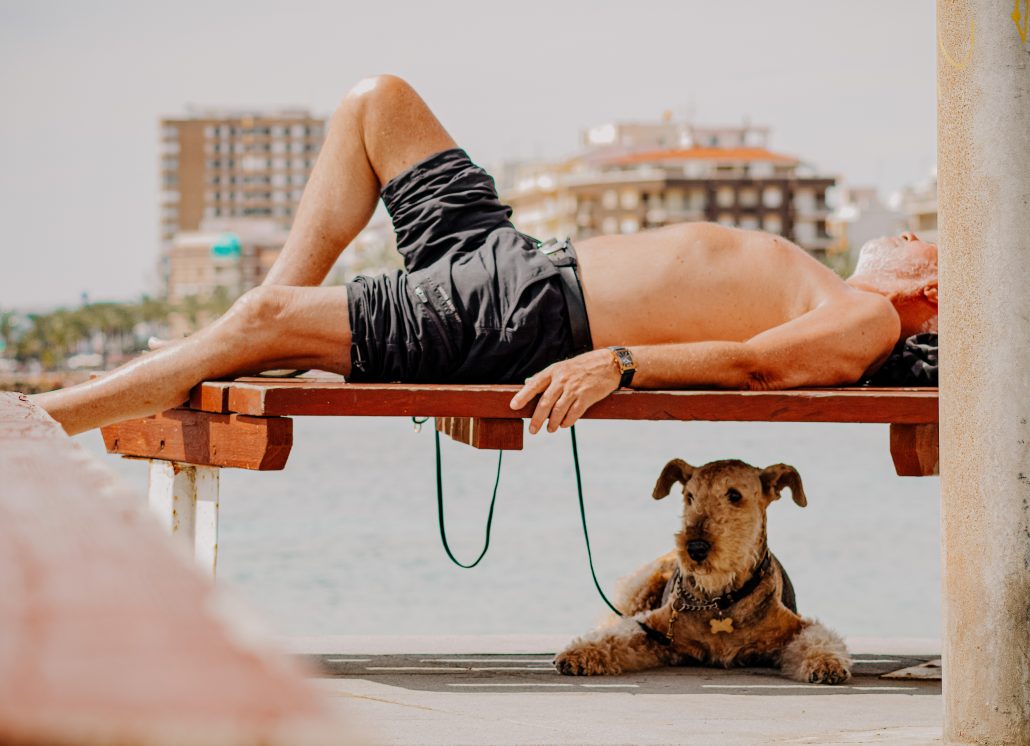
(834, 344)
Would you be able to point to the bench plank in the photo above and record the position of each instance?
(107, 633)
(205, 439)
(284, 397)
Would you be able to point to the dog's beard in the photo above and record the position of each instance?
(711, 577)
(713, 584)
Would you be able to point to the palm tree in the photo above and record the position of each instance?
(7, 331)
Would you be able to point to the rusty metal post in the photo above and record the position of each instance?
(983, 72)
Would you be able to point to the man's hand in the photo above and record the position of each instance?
(568, 389)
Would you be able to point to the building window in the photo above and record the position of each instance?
(629, 225)
(610, 225)
(629, 199)
(773, 223)
(609, 200)
(748, 197)
(725, 196)
(804, 200)
(772, 197)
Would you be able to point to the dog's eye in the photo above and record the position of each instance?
(734, 496)
(690, 498)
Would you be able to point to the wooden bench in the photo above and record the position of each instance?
(246, 424)
(107, 633)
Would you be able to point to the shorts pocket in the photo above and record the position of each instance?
(442, 317)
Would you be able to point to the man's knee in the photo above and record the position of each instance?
(376, 94)
(260, 309)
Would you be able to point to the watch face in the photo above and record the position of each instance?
(625, 358)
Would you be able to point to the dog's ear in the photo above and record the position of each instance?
(676, 470)
(776, 477)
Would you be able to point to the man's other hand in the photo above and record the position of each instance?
(568, 389)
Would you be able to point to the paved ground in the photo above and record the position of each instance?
(447, 697)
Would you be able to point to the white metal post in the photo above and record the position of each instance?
(185, 499)
(983, 74)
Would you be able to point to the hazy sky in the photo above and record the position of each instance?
(848, 86)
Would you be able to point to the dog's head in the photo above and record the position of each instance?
(724, 502)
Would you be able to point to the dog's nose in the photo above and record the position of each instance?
(698, 549)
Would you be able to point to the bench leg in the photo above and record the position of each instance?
(184, 498)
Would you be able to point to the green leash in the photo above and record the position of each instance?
(583, 517)
(440, 506)
(493, 501)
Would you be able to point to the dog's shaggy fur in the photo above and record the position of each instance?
(719, 547)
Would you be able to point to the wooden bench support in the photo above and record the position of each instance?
(915, 450)
(185, 500)
(205, 439)
(483, 432)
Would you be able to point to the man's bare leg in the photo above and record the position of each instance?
(381, 128)
(269, 327)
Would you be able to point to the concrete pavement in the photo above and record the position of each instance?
(502, 690)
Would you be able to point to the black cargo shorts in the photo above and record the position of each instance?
(477, 302)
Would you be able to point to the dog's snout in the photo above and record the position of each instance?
(698, 549)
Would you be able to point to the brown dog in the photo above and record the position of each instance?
(721, 597)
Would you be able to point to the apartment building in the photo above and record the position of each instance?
(218, 164)
(231, 254)
(859, 216)
(634, 176)
(918, 203)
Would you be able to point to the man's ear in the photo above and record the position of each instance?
(776, 477)
(930, 291)
(676, 470)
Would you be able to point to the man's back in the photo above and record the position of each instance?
(696, 282)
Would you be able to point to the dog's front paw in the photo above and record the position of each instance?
(827, 669)
(585, 661)
(816, 655)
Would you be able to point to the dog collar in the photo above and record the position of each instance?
(684, 600)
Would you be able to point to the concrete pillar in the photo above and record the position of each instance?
(983, 72)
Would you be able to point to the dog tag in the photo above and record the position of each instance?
(721, 625)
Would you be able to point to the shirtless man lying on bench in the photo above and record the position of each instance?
(479, 302)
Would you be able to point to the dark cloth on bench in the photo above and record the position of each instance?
(477, 301)
(912, 363)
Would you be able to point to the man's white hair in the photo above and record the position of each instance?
(891, 264)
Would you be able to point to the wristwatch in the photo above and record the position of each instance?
(623, 360)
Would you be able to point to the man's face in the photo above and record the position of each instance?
(897, 258)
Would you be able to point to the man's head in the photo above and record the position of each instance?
(904, 269)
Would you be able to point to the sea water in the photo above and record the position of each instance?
(345, 540)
